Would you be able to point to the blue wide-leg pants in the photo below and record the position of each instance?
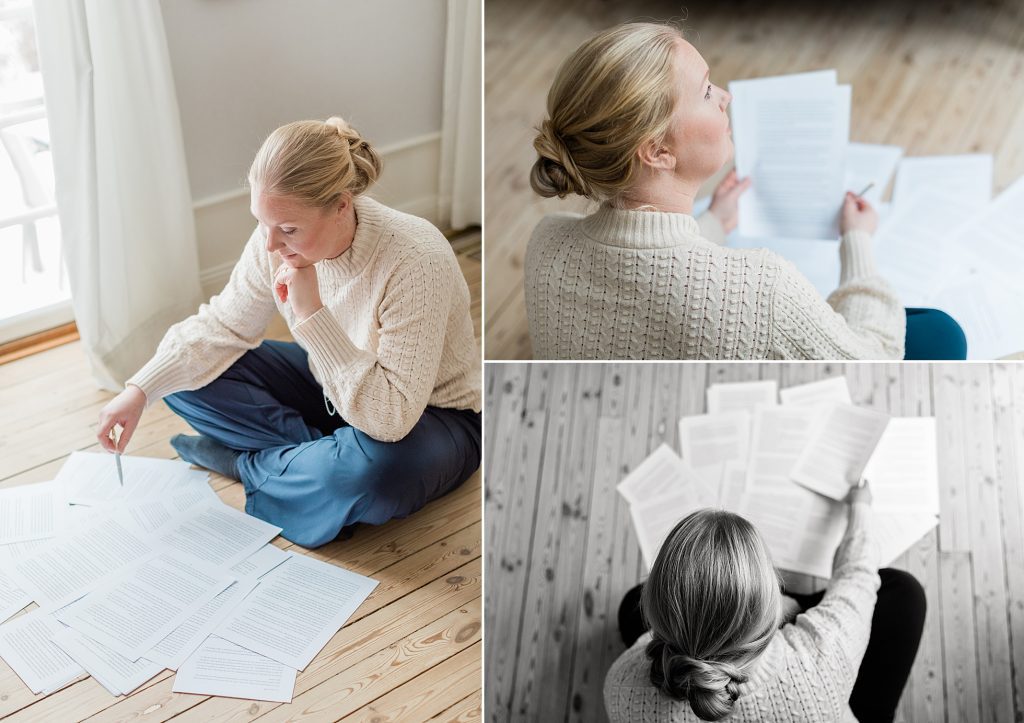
(932, 335)
(308, 471)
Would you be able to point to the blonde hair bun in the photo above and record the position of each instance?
(710, 687)
(554, 173)
(316, 162)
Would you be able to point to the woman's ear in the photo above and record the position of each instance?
(654, 154)
(343, 203)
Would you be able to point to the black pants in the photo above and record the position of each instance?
(895, 634)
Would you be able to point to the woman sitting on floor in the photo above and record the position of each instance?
(635, 123)
(705, 641)
(375, 410)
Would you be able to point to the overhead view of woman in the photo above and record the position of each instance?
(711, 635)
(374, 410)
(635, 124)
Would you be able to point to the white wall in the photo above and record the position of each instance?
(244, 67)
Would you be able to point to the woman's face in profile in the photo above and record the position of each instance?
(300, 234)
(699, 137)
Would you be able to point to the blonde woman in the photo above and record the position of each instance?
(713, 636)
(635, 124)
(374, 410)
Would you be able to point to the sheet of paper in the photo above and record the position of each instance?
(12, 598)
(966, 176)
(260, 562)
(171, 652)
(800, 528)
(26, 645)
(17, 551)
(75, 563)
(91, 477)
(660, 473)
(791, 135)
(655, 518)
(780, 435)
(839, 448)
(220, 667)
(115, 672)
(903, 469)
(833, 389)
(897, 532)
(135, 610)
(734, 485)
(32, 512)
(152, 514)
(741, 396)
(990, 314)
(296, 610)
(868, 163)
(709, 440)
(216, 534)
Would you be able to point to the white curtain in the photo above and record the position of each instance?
(121, 180)
(461, 136)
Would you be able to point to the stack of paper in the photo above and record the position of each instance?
(787, 468)
(159, 574)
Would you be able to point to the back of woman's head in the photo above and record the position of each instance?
(713, 604)
(613, 94)
(315, 162)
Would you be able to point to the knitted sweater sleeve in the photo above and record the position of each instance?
(383, 393)
(862, 319)
(197, 350)
(833, 635)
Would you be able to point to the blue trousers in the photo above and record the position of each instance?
(933, 335)
(308, 471)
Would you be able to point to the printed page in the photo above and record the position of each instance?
(25, 645)
(801, 529)
(903, 470)
(152, 514)
(968, 177)
(220, 667)
(708, 440)
(91, 477)
(780, 436)
(741, 396)
(260, 562)
(171, 652)
(734, 485)
(32, 512)
(296, 610)
(838, 449)
(74, 564)
(833, 389)
(115, 672)
(791, 138)
(654, 519)
(216, 534)
(12, 598)
(868, 163)
(661, 473)
(145, 603)
(897, 532)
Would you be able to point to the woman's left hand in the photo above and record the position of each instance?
(299, 287)
(725, 201)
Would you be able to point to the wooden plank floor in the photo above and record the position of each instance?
(412, 651)
(560, 551)
(934, 78)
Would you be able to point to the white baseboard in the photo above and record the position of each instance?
(409, 183)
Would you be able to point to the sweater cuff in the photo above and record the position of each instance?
(325, 340)
(162, 375)
(711, 228)
(856, 256)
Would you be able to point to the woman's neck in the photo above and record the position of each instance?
(661, 192)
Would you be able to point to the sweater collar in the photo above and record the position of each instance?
(370, 220)
(640, 229)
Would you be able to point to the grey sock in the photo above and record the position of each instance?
(205, 452)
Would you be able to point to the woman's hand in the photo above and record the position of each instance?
(857, 215)
(125, 409)
(725, 201)
(300, 288)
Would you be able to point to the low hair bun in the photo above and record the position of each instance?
(365, 161)
(555, 173)
(710, 687)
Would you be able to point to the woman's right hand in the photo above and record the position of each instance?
(857, 215)
(125, 409)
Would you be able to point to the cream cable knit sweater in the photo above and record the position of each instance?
(809, 668)
(394, 335)
(649, 285)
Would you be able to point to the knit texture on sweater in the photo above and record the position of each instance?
(393, 336)
(649, 285)
(807, 672)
